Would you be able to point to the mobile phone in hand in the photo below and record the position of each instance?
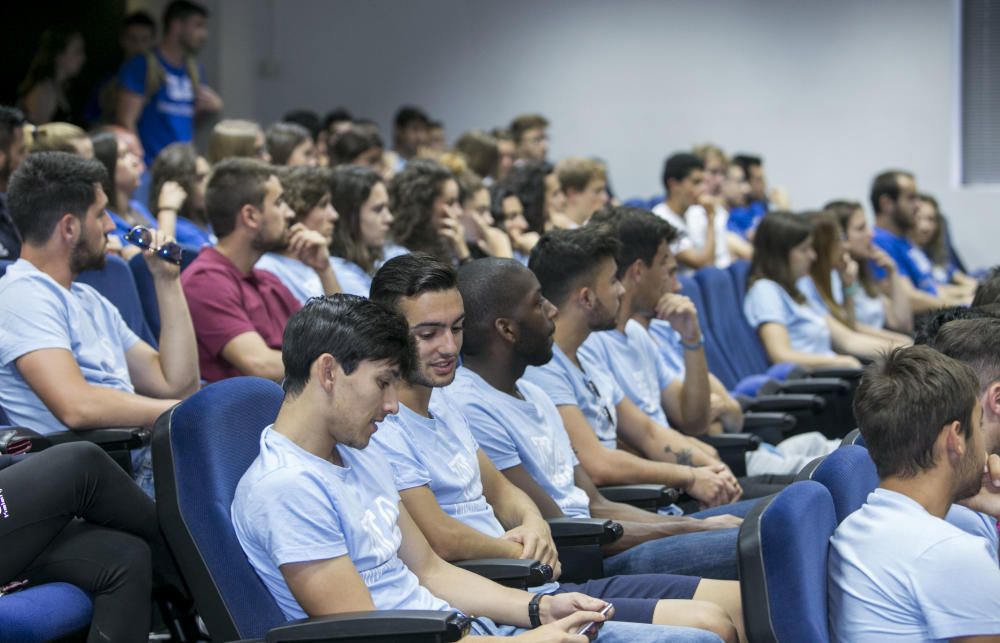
(587, 629)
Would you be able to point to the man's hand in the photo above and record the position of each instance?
(733, 488)
(172, 197)
(162, 270)
(883, 260)
(565, 629)
(207, 100)
(556, 606)
(987, 501)
(708, 487)
(536, 539)
(682, 315)
(309, 247)
(725, 521)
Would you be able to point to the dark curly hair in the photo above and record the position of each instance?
(411, 198)
(526, 181)
(177, 162)
(304, 187)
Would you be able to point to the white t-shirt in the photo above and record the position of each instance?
(301, 280)
(692, 230)
(897, 573)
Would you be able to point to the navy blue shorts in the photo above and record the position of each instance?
(635, 596)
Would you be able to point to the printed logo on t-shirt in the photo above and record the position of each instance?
(555, 467)
(379, 524)
(465, 471)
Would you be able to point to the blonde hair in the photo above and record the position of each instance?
(706, 150)
(233, 138)
(56, 137)
(576, 172)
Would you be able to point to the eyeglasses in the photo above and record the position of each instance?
(143, 237)
(607, 412)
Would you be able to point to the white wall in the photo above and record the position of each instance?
(829, 92)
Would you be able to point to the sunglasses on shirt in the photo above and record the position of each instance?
(607, 413)
(143, 237)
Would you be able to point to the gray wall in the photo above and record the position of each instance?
(829, 92)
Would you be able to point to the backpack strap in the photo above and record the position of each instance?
(155, 76)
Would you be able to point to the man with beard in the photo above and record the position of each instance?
(239, 311)
(12, 152)
(894, 201)
(67, 359)
(578, 273)
(897, 570)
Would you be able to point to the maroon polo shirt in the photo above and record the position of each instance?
(225, 302)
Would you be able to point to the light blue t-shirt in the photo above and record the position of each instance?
(593, 390)
(440, 453)
(190, 235)
(37, 313)
(807, 287)
(527, 432)
(668, 341)
(869, 310)
(633, 359)
(352, 278)
(292, 507)
(301, 280)
(808, 331)
(897, 573)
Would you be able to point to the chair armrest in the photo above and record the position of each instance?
(815, 386)
(513, 572)
(16, 440)
(846, 373)
(644, 496)
(396, 625)
(732, 448)
(786, 403)
(108, 438)
(784, 421)
(584, 531)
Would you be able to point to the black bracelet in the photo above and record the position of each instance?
(536, 599)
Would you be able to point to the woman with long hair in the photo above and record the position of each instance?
(424, 199)
(789, 328)
(360, 197)
(180, 164)
(42, 94)
(880, 300)
(930, 250)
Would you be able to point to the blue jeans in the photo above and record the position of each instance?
(142, 470)
(614, 632)
(708, 554)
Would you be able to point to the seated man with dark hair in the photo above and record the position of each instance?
(240, 311)
(509, 327)
(320, 519)
(455, 494)
(67, 359)
(897, 570)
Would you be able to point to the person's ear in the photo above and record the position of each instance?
(585, 297)
(885, 203)
(249, 216)
(505, 327)
(635, 272)
(954, 438)
(68, 228)
(991, 399)
(325, 371)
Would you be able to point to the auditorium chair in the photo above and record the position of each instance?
(783, 549)
(848, 474)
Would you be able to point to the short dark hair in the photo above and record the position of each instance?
(47, 186)
(411, 275)
(11, 119)
(182, 10)
(679, 166)
(282, 139)
(526, 181)
(887, 184)
(563, 258)
(350, 328)
(234, 182)
(930, 324)
(139, 19)
(480, 151)
(304, 187)
(987, 292)
(747, 161)
(488, 291)
(975, 342)
(338, 115)
(351, 144)
(408, 114)
(639, 232)
(524, 122)
(904, 400)
(306, 118)
(411, 198)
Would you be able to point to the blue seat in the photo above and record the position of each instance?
(147, 289)
(44, 613)
(854, 437)
(115, 281)
(783, 549)
(849, 474)
(201, 449)
(715, 355)
(725, 316)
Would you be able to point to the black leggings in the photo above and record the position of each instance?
(70, 514)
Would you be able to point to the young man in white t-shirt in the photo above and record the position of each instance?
(897, 570)
(319, 517)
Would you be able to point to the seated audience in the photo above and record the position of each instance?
(61, 137)
(508, 215)
(290, 144)
(424, 203)
(717, 167)
(42, 94)
(319, 517)
(890, 560)
(509, 327)
(585, 185)
(543, 202)
(239, 311)
(452, 490)
(531, 138)
(311, 121)
(507, 150)
(233, 138)
(359, 196)
(336, 122)
(701, 225)
(483, 238)
(930, 249)
(790, 329)
(577, 272)
(988, 290)
(303, 265)
(481, 153)
(830, 287)
(743, 218)
(12, 152)
(894, 200)
(122, 175)
(879, 303)
(409, 134)
(180, 164)
(359, 146)
(67, 359)
(436, 143)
